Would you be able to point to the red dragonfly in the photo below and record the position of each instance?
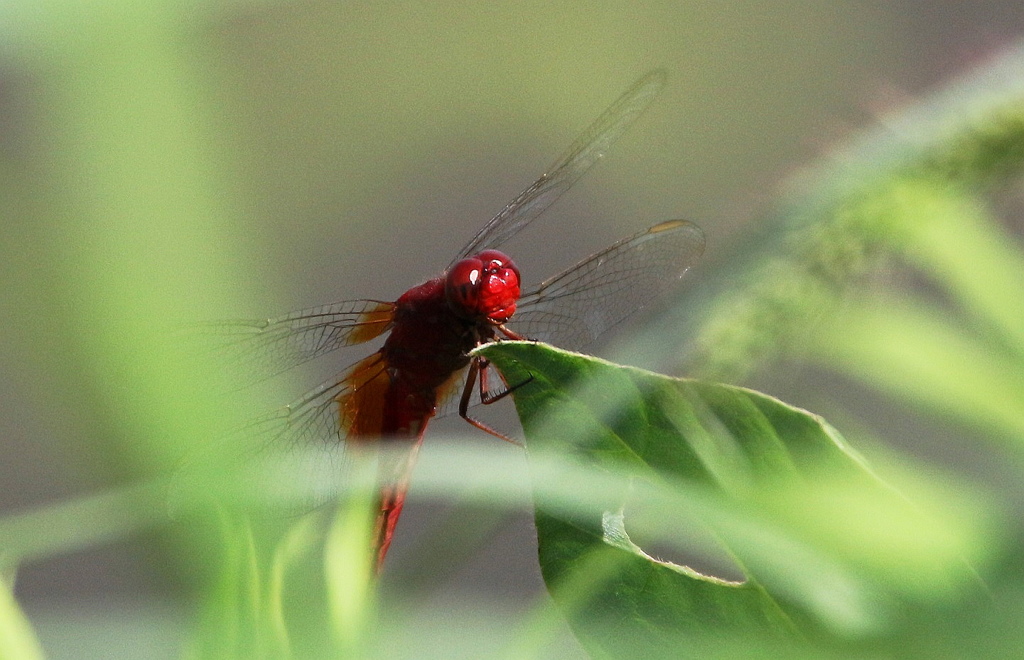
(390, 396)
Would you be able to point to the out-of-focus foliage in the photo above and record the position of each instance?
(16, 637)
(128, 209)
(915, 187)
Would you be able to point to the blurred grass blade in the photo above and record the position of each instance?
(963, 248)
(349, 560)
(914, 351)
(230, 623)
(84, 522)
(17, 639)
(298, 543)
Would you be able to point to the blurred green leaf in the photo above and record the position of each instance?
(84, 522)
(910, 182)
(349, 562)
(270, 598)
(17, 640)
(824, 546)
(231, 622)
(963, 248)
(915, 351)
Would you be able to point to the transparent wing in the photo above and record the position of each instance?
(574, 308)
(294, 457)
(264, 348)
(588, 148)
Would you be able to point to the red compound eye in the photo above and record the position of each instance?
(484, 287)
(460, 285)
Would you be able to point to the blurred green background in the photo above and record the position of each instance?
(181, 161)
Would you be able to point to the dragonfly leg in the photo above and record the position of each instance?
(486, 396)
(511, 334)
(478, 368)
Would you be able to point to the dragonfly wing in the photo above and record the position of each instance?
(588, 148)
(299, 458)
(575, 307)
(572, 309)
(265, 348)
(293, 458)
(449, 394)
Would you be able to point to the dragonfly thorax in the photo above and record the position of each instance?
(483, 287)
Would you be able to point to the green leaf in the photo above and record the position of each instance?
(17, 639)
(823, 546)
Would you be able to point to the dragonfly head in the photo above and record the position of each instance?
(483, 287)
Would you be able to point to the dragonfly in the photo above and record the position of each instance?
(389, 397)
